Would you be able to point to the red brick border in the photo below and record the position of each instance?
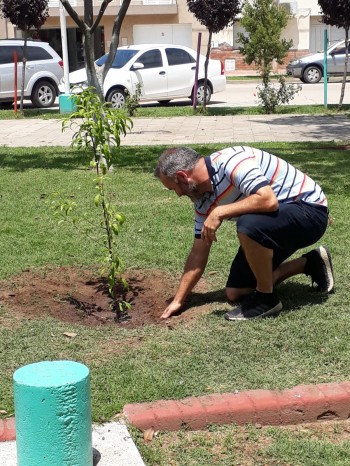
(304, 403)
(7, 429)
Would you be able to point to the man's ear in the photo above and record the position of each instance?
(182, 175)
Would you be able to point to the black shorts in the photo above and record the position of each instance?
(294, 226)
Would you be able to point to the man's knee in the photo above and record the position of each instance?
(236, 294)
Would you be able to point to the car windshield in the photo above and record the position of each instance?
(121, 58)
(328, 48)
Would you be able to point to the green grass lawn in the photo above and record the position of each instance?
(306, 445)
(179, 109)
(307, 343)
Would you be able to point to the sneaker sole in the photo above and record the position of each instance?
(270, 312)
(326, 257)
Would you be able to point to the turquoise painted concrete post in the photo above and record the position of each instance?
(67, 103)
(53, 414)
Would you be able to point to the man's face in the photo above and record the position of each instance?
(182, 185)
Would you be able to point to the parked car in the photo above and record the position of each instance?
(44, 69)
(165, 72)
(309, 69)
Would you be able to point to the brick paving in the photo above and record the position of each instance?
(190, 130)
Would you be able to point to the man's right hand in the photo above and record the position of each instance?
(173, 308)
(194, 268)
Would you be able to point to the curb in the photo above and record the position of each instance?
(300, 404)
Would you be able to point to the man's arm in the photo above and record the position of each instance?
(264, 200)
(193, 270)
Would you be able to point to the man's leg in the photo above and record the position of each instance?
(259, 259)
(317, 264)
(319, 268)
(289, 269)
(267, 241)
(262, 301)
(286, 270)
(241, 281)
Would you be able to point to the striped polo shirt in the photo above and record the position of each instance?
(238, 172)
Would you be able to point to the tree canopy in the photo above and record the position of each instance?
(336, 12)
(25, 14)
(264, 23)
(215, 15)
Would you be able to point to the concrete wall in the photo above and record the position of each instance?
(3, 29)
(312, 4)
(6, 29)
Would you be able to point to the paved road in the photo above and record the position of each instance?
(242, 94)
(188, 130)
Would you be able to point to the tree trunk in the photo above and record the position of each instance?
(89, 48)
(342, 93)
(88, 27)
(90, 62)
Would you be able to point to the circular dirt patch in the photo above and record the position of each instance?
(78, 296)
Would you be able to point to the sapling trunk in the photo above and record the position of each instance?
(97, 129)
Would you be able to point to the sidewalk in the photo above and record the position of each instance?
(111, 442)
(190, 130)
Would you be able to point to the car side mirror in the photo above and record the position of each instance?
(137, 66)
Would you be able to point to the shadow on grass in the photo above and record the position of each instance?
(142, 158)
(324, 162)
(29, 158)
(174, 109)
(294, 296)
(296, 110)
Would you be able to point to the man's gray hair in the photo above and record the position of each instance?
(176, 159)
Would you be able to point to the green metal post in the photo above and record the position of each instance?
(325, 68)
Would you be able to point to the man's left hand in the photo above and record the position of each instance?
(210, 227)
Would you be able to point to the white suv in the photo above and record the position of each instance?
(165, 72)
(44, 69)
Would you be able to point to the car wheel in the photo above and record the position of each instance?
(43, 95)
(200, 94)
(312, 74)
(117, 98)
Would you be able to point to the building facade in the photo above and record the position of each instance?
(169, 21)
